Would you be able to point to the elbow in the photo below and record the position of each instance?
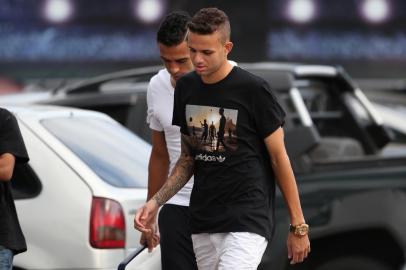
(159, 153)
(7, 162)
(279, 159)
(6, 175)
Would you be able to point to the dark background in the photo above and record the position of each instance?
(106, 35)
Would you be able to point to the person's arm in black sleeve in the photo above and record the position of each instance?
(12, 147)
(7, 162)
(269, 118)
(268, 114)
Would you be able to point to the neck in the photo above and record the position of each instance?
(173, 82)
(219, 74)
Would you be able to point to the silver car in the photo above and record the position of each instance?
(77, 197)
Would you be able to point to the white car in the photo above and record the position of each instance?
(77, 197)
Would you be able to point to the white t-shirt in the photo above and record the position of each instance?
(160, 109)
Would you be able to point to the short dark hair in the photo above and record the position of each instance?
(208, 20)
(173, 28)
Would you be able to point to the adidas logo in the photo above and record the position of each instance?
(209, 158)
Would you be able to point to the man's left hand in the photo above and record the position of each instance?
(298, 248)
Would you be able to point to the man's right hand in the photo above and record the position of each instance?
(151, 240)
(145, 216)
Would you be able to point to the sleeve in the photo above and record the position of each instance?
(152, 120)
(268, 114)
(179, 112)
(11, 140)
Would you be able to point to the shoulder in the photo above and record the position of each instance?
(256, 87)
(187, 83)
(188, 78)
(7, 120)
(250, 81)
(159, 81)
(4, 112)
(5, 115)
(250, 77)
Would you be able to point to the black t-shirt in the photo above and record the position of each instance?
(234, 186)
(11, 142)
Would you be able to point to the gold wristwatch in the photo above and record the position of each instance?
(300, 229)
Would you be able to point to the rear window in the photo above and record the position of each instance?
(115, 154)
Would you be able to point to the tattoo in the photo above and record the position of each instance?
(180, 174)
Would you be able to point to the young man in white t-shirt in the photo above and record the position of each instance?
(175, 236)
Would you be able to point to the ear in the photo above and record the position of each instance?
(228, 47)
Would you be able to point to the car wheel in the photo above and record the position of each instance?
(353, 263)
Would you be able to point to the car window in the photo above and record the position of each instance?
(129, 109)
(397, 136)
(25, 183)
(326, 108)
(115, 154)
(132, 116)
(137, 118)
(342, 136)
(118, 112)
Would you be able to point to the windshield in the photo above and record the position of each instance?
(115, 154)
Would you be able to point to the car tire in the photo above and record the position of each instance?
(353, 263)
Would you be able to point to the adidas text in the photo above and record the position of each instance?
(209, 158)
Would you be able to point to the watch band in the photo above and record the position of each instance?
(300, 229)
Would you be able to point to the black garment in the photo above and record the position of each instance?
(11, 142)
(222, 126)
(234, 186)
(205, 130)
(176, 241)
(220, 134)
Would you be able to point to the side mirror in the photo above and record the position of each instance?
(301, 139)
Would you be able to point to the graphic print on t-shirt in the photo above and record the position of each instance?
(213, 129)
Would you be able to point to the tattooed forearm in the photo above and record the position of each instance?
(180, 174)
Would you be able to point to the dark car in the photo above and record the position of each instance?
(352, 185)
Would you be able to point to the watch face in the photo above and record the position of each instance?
(302, 229)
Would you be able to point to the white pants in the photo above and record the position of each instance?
(223, 251)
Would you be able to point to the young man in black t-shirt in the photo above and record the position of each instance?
(12, 151)
(232, 202)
